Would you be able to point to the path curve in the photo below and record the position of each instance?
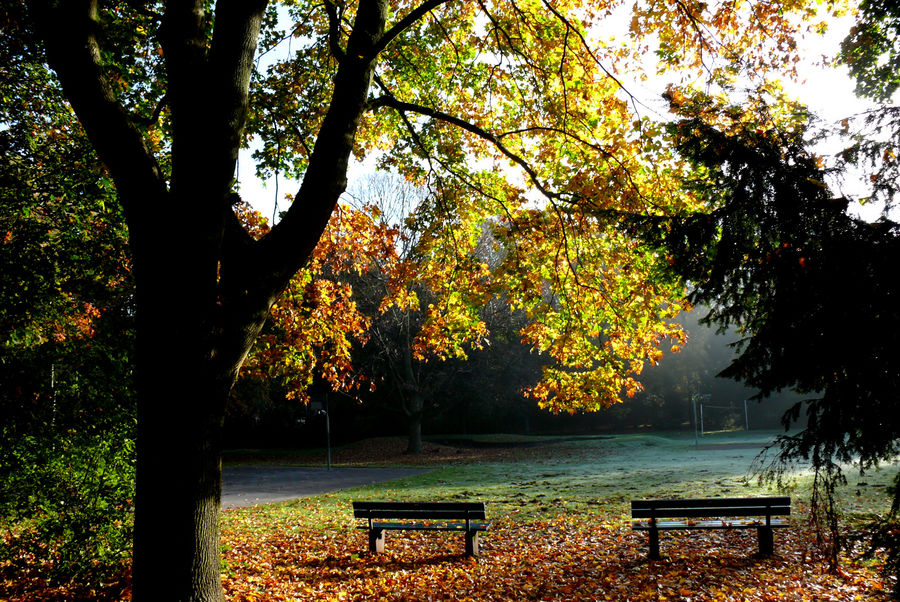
(253, 485)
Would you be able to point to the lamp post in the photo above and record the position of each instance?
(327, 432)
(321, 409)
(696, 433)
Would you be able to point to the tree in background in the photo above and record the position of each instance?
(424, 314)
(503, 108)
(372, 285)
(414, 301)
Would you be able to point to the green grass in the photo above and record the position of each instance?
(592, 477)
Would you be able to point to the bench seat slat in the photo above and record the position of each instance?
(420, 514)
(420, 510)
(419, 505)
(667, 525)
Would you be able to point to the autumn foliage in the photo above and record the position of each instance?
(592, 308)
(514, 113)
(315, 323)
(567, 557)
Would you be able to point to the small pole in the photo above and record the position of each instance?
(53, 401)
(694, 406)
(327, 431)
(701, 419)
(746, 416)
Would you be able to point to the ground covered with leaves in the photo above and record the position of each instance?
(560, 531)
(569, 557)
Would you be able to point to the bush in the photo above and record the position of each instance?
(67, 472)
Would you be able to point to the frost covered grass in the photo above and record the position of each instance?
(599, 475)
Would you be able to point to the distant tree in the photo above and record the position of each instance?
(425, 308)
(489, 386)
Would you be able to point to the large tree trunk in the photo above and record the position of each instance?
(188, 358)
(176, 544)
(203, 286)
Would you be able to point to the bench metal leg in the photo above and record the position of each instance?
(654, 544)
(376, 540)
(472, 543)
(766, 541)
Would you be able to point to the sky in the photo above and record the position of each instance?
(827, 91)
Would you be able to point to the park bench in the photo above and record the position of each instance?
(761, 513)
(421, 516)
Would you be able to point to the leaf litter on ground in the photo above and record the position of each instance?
(560, 531)
(568, 557)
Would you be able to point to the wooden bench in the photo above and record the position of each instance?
(761, 513)
(421, 516)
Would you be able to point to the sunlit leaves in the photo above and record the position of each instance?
(514, 117)
(870, 49)
(575, 557)
(314, 325)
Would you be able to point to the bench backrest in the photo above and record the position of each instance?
(712, 507)
(420, 510)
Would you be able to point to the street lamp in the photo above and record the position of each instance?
(322, 410)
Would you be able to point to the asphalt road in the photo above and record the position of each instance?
(254, 485)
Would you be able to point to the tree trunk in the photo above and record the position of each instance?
(413, 401)
(414, 445)
(176, 544)
(187, 360)
(203, 286)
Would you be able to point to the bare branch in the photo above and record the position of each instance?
(157, 111)
(69, 31)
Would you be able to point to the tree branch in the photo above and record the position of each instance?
(184, 48)
(405, 23)
(334, 30)
(69, 31)
(291, 242)
(231, 64)
(403, 107)
(157, 111)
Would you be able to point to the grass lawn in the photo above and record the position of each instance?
(560, 528)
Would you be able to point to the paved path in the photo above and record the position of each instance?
(253, 485)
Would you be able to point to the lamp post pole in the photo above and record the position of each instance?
(327, 432)
(696, 434)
